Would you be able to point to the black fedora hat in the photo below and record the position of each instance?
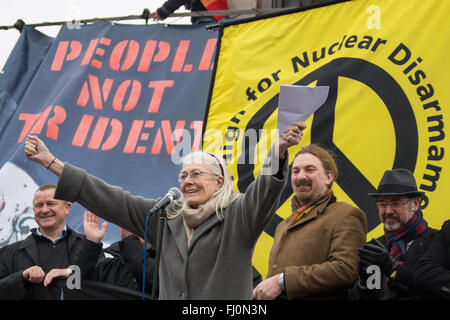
(397, 182)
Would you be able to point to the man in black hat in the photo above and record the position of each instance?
(386, 264)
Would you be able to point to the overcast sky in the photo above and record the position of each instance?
(32, 11)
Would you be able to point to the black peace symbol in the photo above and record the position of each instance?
(351, 180)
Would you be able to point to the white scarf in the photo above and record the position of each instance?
(192, 218)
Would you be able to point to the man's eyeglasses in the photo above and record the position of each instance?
(395, 205)
(195, 175)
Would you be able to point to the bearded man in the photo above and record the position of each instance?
(315, 250)
(392, 258)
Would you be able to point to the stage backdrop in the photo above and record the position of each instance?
(112, 99)
(386, 64)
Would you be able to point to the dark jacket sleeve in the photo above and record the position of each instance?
(169, 7)
(404, 282)
(115, 272)
(360, 292)
(433, 270)
(12, 285)
(133, 254)
(86, 258)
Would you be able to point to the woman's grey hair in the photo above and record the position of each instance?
(216, 165)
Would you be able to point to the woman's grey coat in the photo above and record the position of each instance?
(218, 264)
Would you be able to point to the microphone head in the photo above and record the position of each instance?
(174, 193)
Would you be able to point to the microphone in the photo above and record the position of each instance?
(173, 194)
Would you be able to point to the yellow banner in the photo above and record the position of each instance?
(387, 67)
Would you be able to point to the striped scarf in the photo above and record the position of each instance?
(302, 211)
(396, 240)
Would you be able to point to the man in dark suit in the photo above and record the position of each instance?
(386, 264)
(123, 267)
(28, 267)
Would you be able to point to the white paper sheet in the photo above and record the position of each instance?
(298, 103)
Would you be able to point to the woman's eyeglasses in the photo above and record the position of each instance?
(195, 175)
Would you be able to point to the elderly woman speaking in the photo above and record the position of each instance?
(209, 237)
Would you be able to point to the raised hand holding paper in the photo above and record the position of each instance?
(298, 103)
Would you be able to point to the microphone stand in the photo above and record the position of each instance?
(161, 225)
(174, 193)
